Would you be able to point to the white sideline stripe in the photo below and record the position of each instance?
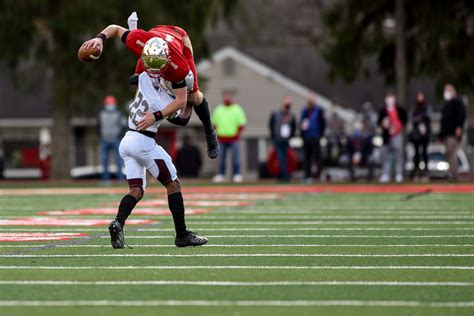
(315, 229)
(236, 283)
(245, 245)
(250, 222)
(303, 236)
(348, 212)
(340, 211)
(6, 229)
(324, 217)
(230, 255)
(241, 303)
(239, 267)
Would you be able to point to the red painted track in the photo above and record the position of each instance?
(331, 188)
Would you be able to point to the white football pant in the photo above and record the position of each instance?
(140, 153)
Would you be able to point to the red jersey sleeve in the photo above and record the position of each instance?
(135, 41)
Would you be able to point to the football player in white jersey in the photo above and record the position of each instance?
(141, 153)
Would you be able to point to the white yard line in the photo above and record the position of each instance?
(241, 303)
(234, 267)
(348, 212)
(237, 283)
(203, 221)
(324, 217)
(196, 221)
(104, 229)
(236, 255)
(241, 245)
(302, 236)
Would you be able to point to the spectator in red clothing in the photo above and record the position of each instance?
(282, 127)
(392, 120)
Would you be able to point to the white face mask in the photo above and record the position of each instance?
(390, 101)
(448, 95)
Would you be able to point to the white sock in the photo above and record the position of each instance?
(132, 21)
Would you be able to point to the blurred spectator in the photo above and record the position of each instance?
(420, 136)
(368, 116)
(229, 120)
(312, 127)
(111, 124)
(282, 127)
(2, 159)
(188, 159)
(453, 115)
(392, 120)
(359, 151)
(335, 135)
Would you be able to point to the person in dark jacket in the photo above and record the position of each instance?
(312, 125)
(420, 136)
(453, 115)
(188, 159)
(282, 127)
(392, 119)
(359, 149)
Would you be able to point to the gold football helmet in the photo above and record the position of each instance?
(155, 56)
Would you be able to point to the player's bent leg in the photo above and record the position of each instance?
(126, 206)
(201, 107)
(184, 238)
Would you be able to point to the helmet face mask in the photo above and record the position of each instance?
(155, 56)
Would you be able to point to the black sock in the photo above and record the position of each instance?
(126, 206)
(202, 112)
(176, 205)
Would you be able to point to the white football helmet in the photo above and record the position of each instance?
(155, 56)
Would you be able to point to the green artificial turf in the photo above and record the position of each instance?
(308, 240)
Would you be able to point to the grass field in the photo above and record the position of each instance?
(279, 252)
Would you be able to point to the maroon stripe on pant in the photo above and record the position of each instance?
(164, 177)
(136, 182)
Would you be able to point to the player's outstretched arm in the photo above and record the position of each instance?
(110, 31)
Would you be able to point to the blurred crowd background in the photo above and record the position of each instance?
(327, 90)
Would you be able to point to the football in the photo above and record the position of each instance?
(88, 55)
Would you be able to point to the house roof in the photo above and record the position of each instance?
(272, 74)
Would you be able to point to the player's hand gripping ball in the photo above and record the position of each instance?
(88, 55)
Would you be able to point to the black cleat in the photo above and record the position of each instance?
(212, 145)
(191, 239)
(116, 235)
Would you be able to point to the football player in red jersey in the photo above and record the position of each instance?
(172, 61)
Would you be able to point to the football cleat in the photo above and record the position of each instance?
(116, 235)
(191, 239)
(212, 145)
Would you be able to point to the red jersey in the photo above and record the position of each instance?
(181, 53)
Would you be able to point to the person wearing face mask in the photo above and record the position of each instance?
(392, 120)
(420, 136)
(453, 115)
(111, 125)
(282, 125)
(312, 126)
(229, 121)
(359, 150)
